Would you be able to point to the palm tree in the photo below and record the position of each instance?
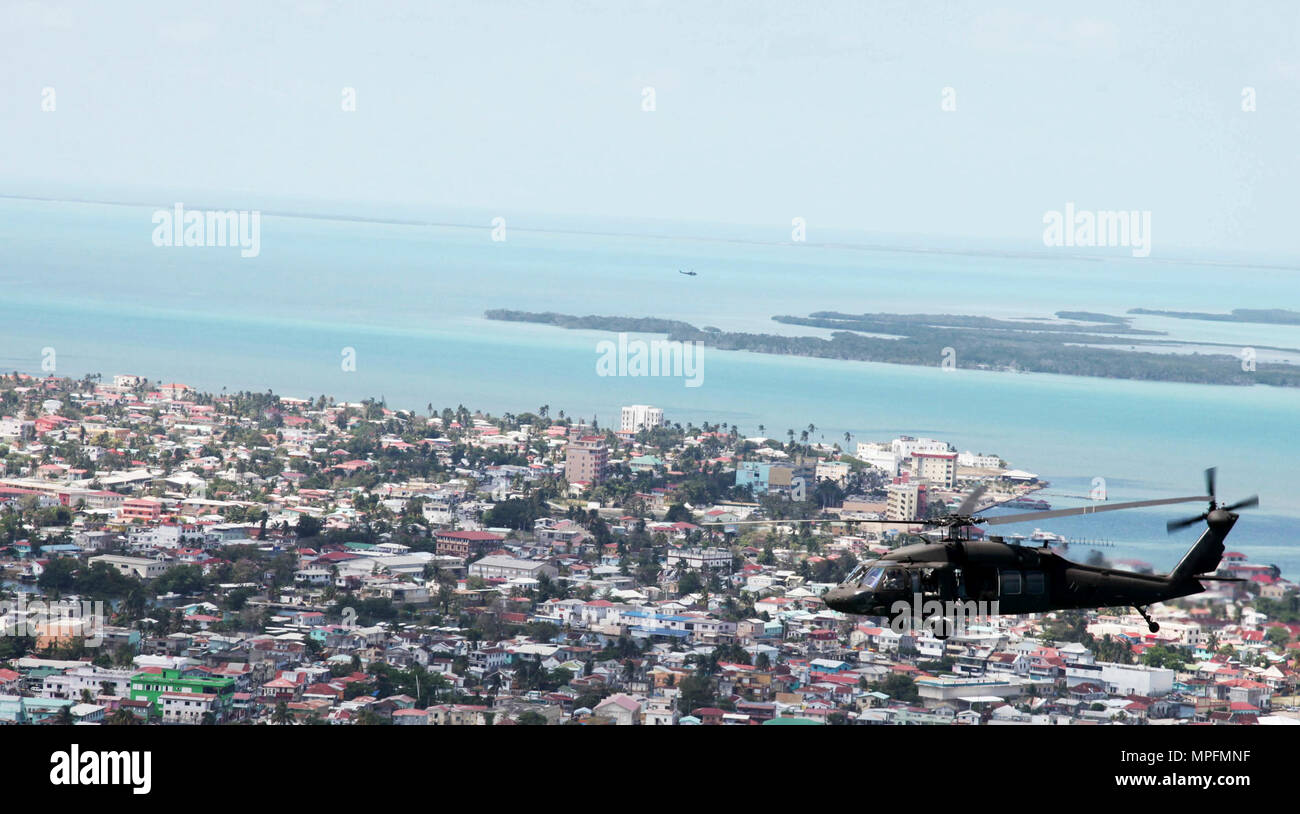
(123, 717)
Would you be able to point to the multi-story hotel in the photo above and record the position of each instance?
(641, 417)
(585, 459)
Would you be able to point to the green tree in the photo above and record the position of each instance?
(1161, 656)
(690, 583)
(899, 686)
(59, 576)
(308, 526)
(532, 718)
(281, 713)
(695, 691)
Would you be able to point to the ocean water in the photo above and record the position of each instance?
(85, 280)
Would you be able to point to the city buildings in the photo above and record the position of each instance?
(336, 548)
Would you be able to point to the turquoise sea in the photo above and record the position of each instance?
(86, 280)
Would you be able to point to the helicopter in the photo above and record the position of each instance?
(1022, 579)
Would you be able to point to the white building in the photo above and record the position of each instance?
(905, 446)
(187, 707)
(133, 566)
(312, 576)
(660, 711)
(69, 684)
(835, 471)
(641, 417)
(167, 535)
(881, 456)
(1136, 679)
(510, 568)
(700, 559)
(979, 461)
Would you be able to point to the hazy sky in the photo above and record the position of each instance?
(764, 111)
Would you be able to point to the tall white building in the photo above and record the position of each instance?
(641, 417)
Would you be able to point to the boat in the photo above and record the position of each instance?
(1040, 536)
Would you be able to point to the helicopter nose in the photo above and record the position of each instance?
(838, 597)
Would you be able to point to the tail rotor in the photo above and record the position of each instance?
(1210, 478)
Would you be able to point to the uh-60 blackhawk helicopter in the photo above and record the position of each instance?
(1023, 579)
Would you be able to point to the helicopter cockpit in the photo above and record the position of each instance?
(880, 583)
(878, 578)
(870, 583)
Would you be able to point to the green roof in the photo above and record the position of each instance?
(792, 722)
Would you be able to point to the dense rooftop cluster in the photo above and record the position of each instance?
(246, 557)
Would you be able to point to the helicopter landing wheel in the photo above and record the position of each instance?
(1154, 627)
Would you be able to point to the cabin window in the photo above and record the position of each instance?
(1010, 583)
(893, 580)
(1035, 583)
(930, 580)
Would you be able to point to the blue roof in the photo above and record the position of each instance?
(661, 631)
(657, 617)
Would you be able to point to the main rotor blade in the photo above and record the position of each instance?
(1253, 500)
(1209, 480)
(1175, 525)
(1110, 507)
(817, 520)
(971, 499)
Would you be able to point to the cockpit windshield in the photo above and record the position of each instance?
(871, 576)
(878, 578)
(855, 576)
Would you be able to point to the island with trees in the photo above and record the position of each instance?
(1076, 344)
